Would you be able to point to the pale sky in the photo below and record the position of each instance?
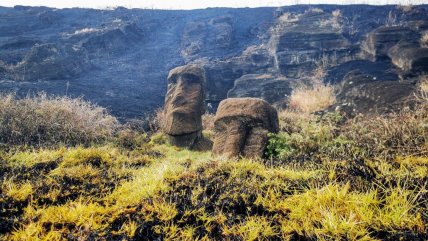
(191, 4)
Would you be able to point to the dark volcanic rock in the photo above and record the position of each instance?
(362, 93)
(242, 125)
(222, 74)
(267, 87)
(107, 40)
(207, 38)
(120, 58)
(410, 58)
(382, 39)
(49, 62)
(381, 70)
(14, 51)
(301, 42)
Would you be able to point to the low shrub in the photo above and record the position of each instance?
(329, 136)
(42, 120)
(311, 99)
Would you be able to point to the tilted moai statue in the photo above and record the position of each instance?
(184, 105)
(242, 126)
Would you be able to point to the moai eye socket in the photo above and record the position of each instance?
(191, 78)
(173, 79)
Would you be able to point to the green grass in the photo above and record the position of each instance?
(323, 179)
(165, 192)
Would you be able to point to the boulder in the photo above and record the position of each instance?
(265, 86)
(380, 70)
(301, 42)
(184, 105)
(380, 40)
(410, 58)
(361, 93)
(50, 62)
(242, 126)
(221, 75)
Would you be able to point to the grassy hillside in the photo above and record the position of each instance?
(324, 178)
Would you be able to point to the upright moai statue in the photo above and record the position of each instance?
(184, 105)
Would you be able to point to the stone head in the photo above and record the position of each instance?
(184, 101)
(242, 125)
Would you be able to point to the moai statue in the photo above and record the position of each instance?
(184, 105)
(242, 126)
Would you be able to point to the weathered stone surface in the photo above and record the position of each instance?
(362, 93)
(302, 42)
(380, 40)
(49, 62)
(110, 39)
(201, 38)
(184, 105)
(380, 70)
(267, 87)
(222, 74)
(130, 51)
(410, 58)
(242, 125)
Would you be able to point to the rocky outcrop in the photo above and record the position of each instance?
(242, 125)
(221, 75)
(49, 62)
(410, 58)
(380, 70)
(184, 105)
(267, 87)
(108, 40)
(380, 40)
(302, 42)
(15, 50)
(360, 93)
(120, 58)
(206, 38)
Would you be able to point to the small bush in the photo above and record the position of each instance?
(149, 123)
(208, 122)
(131, 139)
(156, 120)
(387, 136)
(402, 133)
(312, 99)
(43, 120)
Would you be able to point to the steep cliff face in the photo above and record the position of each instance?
(120, 58)
(302, 42)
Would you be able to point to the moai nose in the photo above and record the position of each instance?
(235, 141)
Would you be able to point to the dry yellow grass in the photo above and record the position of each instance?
(424, 85)
(48, 120)
(312, 99)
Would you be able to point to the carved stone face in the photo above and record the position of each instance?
(242, 125)
(240, 138)
(184, 102)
